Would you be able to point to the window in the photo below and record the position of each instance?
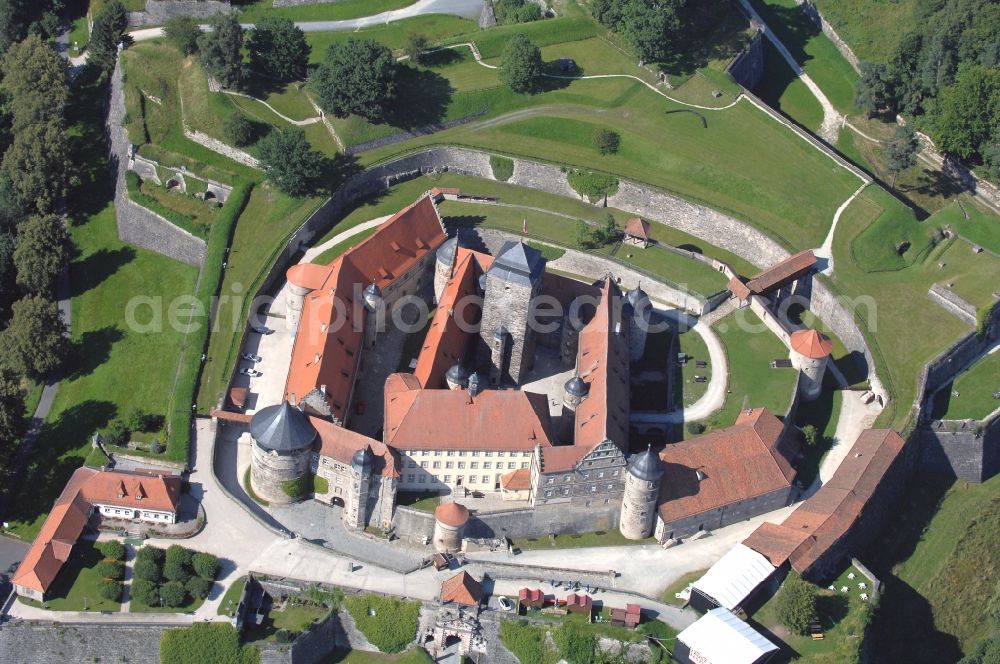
(524, 464)
(487, 465)
(437, 464)
(585, 476)
(526, 454)
(486, 479)
(449, 464)
(550, 480)
(567, 477)
(548, 494)
(409, 478)
(461, 453)
(422, 480)
(423, 464)
(565, 491)
(472, 479)
(475, 453)
(511, 465)
(473, 465)
(412, 464)
(447, 478)
(499, 454)
(489, 454)
(593, 488)
(610, 487)
(614, 473)
(424, 452)
(461, 464)
(600, 475)
(451, 452)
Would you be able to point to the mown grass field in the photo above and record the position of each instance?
(77, 586)
(872, 28)
(939, 561)
(254, 10)
(750, 347)
(784, 91)
(975, 388)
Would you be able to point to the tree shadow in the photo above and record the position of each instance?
(709, 34)
(905, 631)
(98, 266)
(260, 86)
(792, 26)
(91, 351)
(338, 169)
(422, 98)
(464, 220)
(442, 58)
(936, 184)
(832, 608)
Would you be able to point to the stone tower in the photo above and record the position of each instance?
(356, 505)
(443, 265)
(642, 487)
(282, 447)
(639, 310)
(449, 527)
(510, 288)
(810, 354)
(574, 392)
(375, 317)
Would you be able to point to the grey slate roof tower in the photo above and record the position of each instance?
(642, 488)
(511, 286)
(282, 428)
(282, 446)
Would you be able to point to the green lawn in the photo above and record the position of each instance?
(786, 92)
(337, 11)
(231, 599)
(294, 618)
(940, 563)
(679, 585)
(895, 312)
(694, 347)
(437, 27)
(971, 394)
(579, 541)
(872, 28)
(822, 414)
(193, 604)
(843, 616)
(815, 53)
(981, 228)
(419, 500)
(750, 348)
(76, 588)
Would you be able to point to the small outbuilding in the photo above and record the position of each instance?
(462, 589)
(531, 597)
(732, 580)
(637, 232)
(719, 637)
(578, 603)
(629, 617)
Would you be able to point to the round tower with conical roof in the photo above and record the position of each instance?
(810, 353)
(574, 392)
(443, 265)
(642, 488)
(456, 377)
(450, 520)
(639, 309)
(282, 446)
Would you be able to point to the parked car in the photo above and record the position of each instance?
(253, 373)
(505, 604)
(250, 357)
(262, 329)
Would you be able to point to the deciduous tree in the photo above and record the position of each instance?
(34, 80)
(221, 51)
(43, 250)
(521, 64)
(969, 111)
(416, 44)
(12, 418)
(901, 151)
(278, 49)
(183, 33)
(33, 343)
(289, 162)
(36, 165)
(357, 76)
(796, 604)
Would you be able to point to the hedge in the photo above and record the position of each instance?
(594, 186)
(320, 485)
(196, 343)
(394, 625)
(112, 549)
(218, 643)
(299, 487)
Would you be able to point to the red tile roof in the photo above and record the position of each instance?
(787, 270)
(738, 288)
(329, 336)
(531, 597)
(637, 227)
(451, 328)
(68, 517)
(446, 419)
(748, 459)
(811, 343)
(341, 444)
(579, 603)
(828, 515)
(452, 514)
(462, 589)
(518, 480)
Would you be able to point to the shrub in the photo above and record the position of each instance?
(113, 549)
(320, 485)
(297, 488)
(182, 32)
(117, 434)
(239, 130)
(176, 571)
(811, 434)
(576, 644)
(205, 565)
(796, 604)
(173, 594)
(146, 570)
(516, 11)
(695, 428)
(145, 592)
(526, 642)
(111, 590)
(199, 587)
(415, 46)
(606, 141)
(283, 636)
(156, 447)
(151, 553)
(393, 624)
(205, 642)
(594, 186)
(502, 167)
(178, 554)
(110, 570)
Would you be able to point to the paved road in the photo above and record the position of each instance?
(469, 9)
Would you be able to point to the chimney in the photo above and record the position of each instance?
(322, 390)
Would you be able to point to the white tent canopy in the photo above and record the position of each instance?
(734, 576)
(719, 637)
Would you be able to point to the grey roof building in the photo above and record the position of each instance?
(518, 263)
(282, 428)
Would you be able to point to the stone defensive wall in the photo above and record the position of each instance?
(813, 12)
(44, 642)
(747, 68)
(159, 12)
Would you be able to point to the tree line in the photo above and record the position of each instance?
(658, 30)
(946, 75)
(36, 172)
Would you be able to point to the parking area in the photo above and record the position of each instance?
(274, 350)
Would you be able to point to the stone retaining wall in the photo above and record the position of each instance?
(747, 68)
(159, 12)
(29, 642)
(961, 449)
(953, 304)
(813, 12)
